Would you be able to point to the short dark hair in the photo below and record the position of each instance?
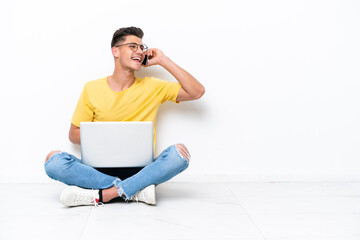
(121, 33)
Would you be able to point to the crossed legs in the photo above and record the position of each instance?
(69, 170)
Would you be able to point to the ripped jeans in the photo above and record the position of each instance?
(68, 169)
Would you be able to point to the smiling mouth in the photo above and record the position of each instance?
(136, 59)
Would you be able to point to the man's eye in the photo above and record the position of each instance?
(133, 46)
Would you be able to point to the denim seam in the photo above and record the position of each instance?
(185, 167)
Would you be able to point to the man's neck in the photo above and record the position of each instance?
(121, 79)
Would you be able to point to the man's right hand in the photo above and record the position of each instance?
(74, 134)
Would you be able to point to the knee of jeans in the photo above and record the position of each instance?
(56, 168)
(183, 152)
(51, 154)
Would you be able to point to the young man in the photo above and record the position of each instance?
(124, 97)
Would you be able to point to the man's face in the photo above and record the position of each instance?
(129, 56)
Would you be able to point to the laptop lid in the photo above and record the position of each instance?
(116, 144)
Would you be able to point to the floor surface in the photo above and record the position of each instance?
(189, 211)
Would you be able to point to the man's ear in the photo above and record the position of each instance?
(115, 52)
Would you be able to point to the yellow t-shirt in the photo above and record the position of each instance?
(140, 102)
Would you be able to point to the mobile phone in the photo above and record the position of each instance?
(145, 61)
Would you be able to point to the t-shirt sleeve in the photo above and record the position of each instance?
(171, 91)
(83, 111)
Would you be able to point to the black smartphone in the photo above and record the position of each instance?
(145, 61)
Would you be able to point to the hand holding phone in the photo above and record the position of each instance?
(145, 61)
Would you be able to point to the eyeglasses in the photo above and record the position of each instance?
(134, 46)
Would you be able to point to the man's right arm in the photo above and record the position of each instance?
(74, 134)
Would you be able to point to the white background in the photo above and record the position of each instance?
(282, 83)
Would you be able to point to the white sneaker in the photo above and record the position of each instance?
(147, 195)
(74, 196)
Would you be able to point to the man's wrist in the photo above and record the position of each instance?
(164, 61)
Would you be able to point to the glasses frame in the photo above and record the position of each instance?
(145, 48)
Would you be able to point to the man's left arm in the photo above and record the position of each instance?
(191, 88)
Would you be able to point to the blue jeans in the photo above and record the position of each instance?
(68, 169)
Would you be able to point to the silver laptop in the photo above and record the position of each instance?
(116, 144)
